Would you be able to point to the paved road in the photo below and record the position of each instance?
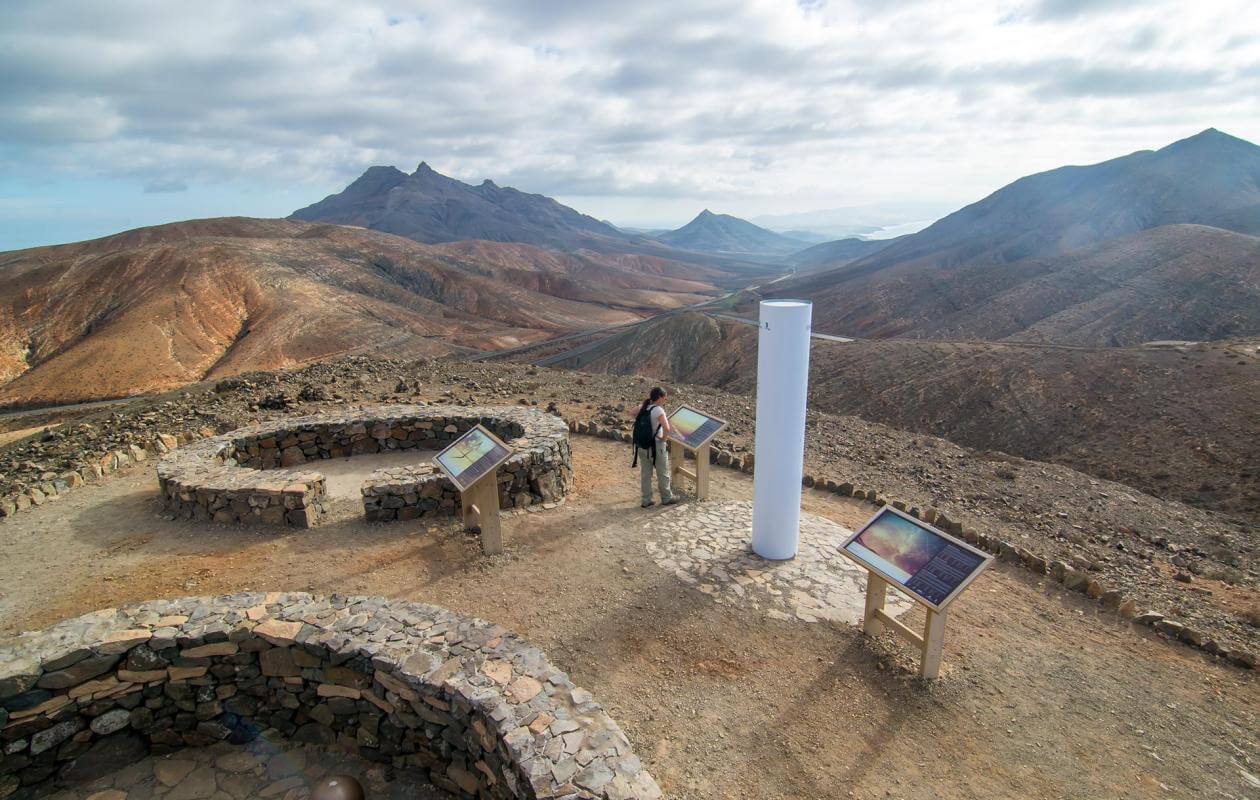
(826, 337)
(26, 412)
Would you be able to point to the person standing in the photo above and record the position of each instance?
(651, 446)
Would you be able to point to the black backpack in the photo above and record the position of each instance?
(644, 437)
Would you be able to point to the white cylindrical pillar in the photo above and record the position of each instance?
(782, 381)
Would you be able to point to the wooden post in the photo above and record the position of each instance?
(875, 620)
(702, 472)
(480, 505)
(700, 476)
(933, 641)
(876, 592)
(676, 454)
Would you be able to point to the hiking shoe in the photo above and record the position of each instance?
(669, 502)
(648, 504)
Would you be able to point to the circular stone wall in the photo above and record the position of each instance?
(403, 683)
(708, 546)
(262, 474)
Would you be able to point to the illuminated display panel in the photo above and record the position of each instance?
(926, 563)
(472, 456)
(693, 428)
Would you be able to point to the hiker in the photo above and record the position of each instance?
(651, 431)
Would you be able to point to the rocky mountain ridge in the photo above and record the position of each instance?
(1185, 218)
(429, 207)
(158, 307)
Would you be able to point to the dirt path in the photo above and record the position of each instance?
(1043, 695)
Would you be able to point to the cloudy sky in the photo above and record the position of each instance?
(125, 113)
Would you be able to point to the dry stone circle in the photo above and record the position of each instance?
(409, 684)
(263, 474)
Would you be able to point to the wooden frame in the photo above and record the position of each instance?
(875, 619)
(700, 477)
(479, 501)
(930, 643)
(678, 450)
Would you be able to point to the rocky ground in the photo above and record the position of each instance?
(1044, 694)
(1173, 559)
(1175, 420)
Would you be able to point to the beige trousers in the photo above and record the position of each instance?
(662, 472)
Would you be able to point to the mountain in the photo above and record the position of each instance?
(722, 233)
(808, 237)
(836, 253)
(1172, 420)
(1183, 282)
(430, 207)
(160, 307)
(1205, 190)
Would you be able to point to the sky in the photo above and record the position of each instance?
(127, 113)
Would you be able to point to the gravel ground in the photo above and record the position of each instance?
(1043, 694)
(1188, 563)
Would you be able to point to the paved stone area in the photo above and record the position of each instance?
(268, 767)
(707, 545)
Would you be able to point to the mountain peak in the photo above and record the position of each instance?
(1210, 137)
(430, 207)
(722, 233)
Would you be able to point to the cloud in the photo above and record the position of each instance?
(165, 186)
(1069, 9)
(757, 106)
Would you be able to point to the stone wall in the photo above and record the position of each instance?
(401, 683)
(402, 493)
(255, 475)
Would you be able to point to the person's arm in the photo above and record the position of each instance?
(666, 428)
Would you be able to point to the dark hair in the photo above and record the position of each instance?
(656, 394)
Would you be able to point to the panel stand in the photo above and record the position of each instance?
(876, 618)
(701, 475)
(480, 504)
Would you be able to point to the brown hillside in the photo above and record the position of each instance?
(1174, 282)
(1153, 245)
(1176, 421)
(159, 307)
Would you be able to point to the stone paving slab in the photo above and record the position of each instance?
(708, 546)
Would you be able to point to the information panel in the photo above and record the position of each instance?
(928, 564)
(472, 456)
(693, 428)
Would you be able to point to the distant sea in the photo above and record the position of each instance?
(893, 231)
